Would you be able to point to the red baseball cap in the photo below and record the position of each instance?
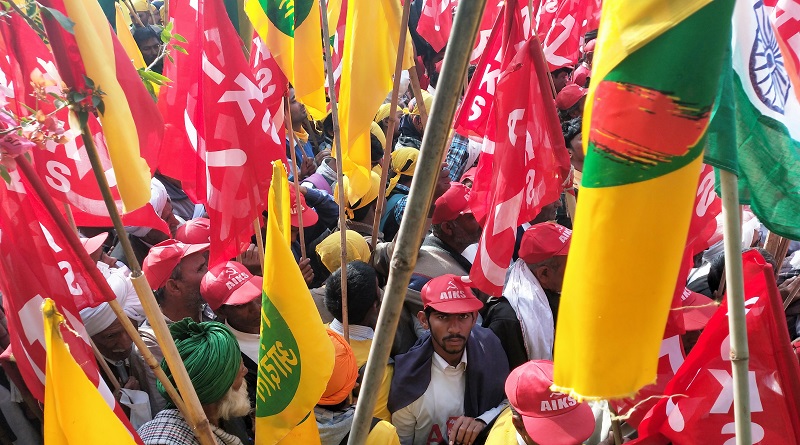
(581, 74)
(230, 283)
(543, 241)
(310, 216)
(569, 96)
(549, 417)
(195, 231)
(450, 294)
(699, 309)
(92, 244)
(164, 257)
(589, 47)
(452, 204)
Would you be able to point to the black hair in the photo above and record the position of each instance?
(376, 149)
(714, 277)
(571, 128)
(564, 69)
(143, 33)
(362, 291)
(175, 275)
(591, 35)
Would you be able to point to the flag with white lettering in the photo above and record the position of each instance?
(31, 76)
(492, 10)
(219, 125)
(436, 22)
(562, 28)
(522, 166)
(699, 409)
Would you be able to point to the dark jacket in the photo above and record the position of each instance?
(500, 317)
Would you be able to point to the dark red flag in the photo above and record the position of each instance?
(436, 22)
(562, 24)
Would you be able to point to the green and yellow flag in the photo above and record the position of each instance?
(292, 31)
(74, 410)
(296, 357)
(657, 67)
(372, 33)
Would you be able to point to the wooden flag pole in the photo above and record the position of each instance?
(296, 173)
(195, 414)
(778, 246)
(70, 217)
(412, 228)
(101, 361)
(259, 239)
(133, 14)
(387, 151)
(734, 278)
(423, 112)
(337, 140)
(100, 281)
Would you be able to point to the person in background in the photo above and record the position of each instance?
(570, 102)
(329, 252)
(404, 163)
(411, 127)
(383, 116)
(148, 39)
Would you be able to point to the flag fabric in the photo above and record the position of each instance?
(372, 33)
(646, 116)
(130, 123)
(561, 31)
(523, 164)
(126, 39)
(30, 71)
(754, 133)
(36, 262)
(436, 21)
(699, 409)
(785, 21)
(491, 12)
(74, 411)
(219, 125)
(337, 40)
(292, 31)
(296, 357)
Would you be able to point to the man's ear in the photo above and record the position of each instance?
(447, 227)
(172, 287)
(423, 320)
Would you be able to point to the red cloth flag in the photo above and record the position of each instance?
(36, 262)
(491, 12)
(337, 48)
(522, 166)
(218, 125)
(785, 19)
(700, 407)
(65, 168)
(436, 22)
(561, 29)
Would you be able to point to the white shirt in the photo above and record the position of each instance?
(248, 343)
(426, 420)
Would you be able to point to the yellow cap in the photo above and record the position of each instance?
(330, 249)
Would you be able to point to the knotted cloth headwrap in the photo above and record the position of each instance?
(330, 249)
(383, 112)
(211, 355)
(404, 162)
(375, 130)
(345, 372)
(359, 203)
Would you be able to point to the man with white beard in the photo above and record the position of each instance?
(213, 361)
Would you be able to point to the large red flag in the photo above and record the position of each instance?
(218, 125)
(36, 262)
(561, 28)
(30, 69)
(436, 22)
(700, 407)
(522, 167)
(492, 10)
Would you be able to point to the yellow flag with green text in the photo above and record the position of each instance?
(296, 357)
(74, 410)
(371, 37)
(292, 31)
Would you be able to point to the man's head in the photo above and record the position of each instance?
(213, 361)
(107, 332)
(194, 231)
(383, 116)
(572, 130)
(544, 417)
(361, 209)
(297, 110)
(159, 199)
(363, 294)
(453, 221)
(330, 249)
(404, 163)
(234, 293)
(416, 112)
(94, 245)
(544, 248)
(570, 100)
(450, 310)
(548, 212)
(561, 77)
(148, 39)
(175, 270)
(309, 215)
(344, 376)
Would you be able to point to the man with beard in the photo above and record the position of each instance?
(449, 385)
(214, 364)
(148, 39)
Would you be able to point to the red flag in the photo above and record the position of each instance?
(785, 19)
(337, 48)
(65, 168)
(37, 262)
(436, 22)
(522, 166)
(700, 409)
(491, 12)
(561, 28)
(218, 125)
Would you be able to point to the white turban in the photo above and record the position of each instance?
(158, 199)
(97, 319)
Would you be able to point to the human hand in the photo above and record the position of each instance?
(307, 167)
(465, 430)
(305, 268)
(252, 260)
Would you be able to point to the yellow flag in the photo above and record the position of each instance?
(95, 42)
(126, 40)
(372, 34)
(296, 356)
(292, 31)
(74, 410)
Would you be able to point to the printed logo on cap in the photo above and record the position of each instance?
(558, 402)
(453, 292)
(564, 233)
(234, 277)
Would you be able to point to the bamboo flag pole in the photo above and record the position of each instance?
(734, 278)
(337, 139)
(412, 228)
(195, 414)
(387, 151)
(423, 112)
(70, 217)
(259, 239)
(94, 273)
(296, 173)
(101, 361)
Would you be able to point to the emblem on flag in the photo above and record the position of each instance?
(767, 71)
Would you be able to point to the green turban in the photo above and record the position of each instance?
(211, 355)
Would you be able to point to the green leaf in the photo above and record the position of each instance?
(180, 49)
(96, 101)
(170, 58)
(78, 97)
(101, 107)
(179, 38)
(170, 26)
(59, 16)
(166, 36)
(89, 82)
(55, 96)
(4, 174)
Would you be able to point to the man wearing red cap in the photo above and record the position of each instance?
(448, 387)
(570, 101)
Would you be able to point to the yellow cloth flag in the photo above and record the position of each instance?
(74, 410)
(292, 31)
(95, 42)
(126, 40)
(372, 34)
(296, 356)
